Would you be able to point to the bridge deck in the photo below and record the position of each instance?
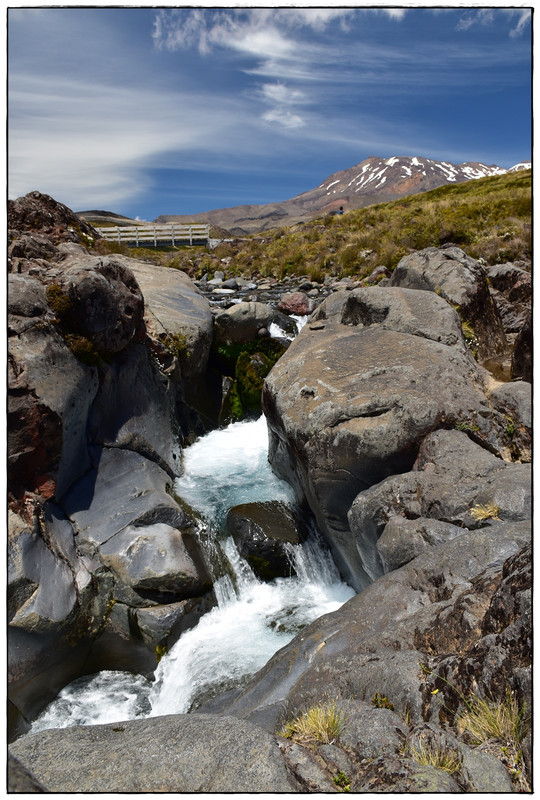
(155, 235)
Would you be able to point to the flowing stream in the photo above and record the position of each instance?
(252, 619)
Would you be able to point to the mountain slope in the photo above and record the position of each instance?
(374, 180)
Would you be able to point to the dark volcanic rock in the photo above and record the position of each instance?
(242, 322)
(39, 212)
(260, 531)
(49, 396)
(94, 416)
(451, 477)
(104, 302)
(511, 289)
(522, 353)
(388, 645)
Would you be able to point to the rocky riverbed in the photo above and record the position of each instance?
(400, 415)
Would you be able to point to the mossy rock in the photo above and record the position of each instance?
(226, 356)
(232, 409)
(251, 370)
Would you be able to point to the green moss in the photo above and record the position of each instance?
(251, 370)
(177, 344)
(160, 651)
(342, 781)
(232, 409)
(226, 356)
(467, 427)
(58, 300)
(84, 350)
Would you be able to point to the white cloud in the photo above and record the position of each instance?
(524, 19)
(279, 93)
(283, 117)
(395, 13)
(488, 16)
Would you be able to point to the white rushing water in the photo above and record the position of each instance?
(252, 619)
(277, 332)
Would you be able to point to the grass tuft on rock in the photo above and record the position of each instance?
(320, 724)
(435, 755)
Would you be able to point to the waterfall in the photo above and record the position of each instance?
(252, 619)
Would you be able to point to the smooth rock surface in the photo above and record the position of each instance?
(462, 282)
(181, 753)
(350, 401)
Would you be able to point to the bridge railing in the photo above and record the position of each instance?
(156, 234)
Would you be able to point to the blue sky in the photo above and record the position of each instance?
(148, 111)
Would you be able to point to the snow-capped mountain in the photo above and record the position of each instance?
(374, 180)
(390, 178)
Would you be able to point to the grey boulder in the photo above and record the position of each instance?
(462, 282)
(181, 753)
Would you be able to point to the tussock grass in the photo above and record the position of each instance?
(503, 720)
(498, 727)
(431, 755)
(320, 724)
(489, 218)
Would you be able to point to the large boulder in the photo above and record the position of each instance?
(452, 478)
(181, 753)
(176, 314)
(243, 322)
(102, 301)
(58, 597)
(135, 409)
(510, 285)
(463, 283)
(50, 393)
(372, 373)
(38, 212)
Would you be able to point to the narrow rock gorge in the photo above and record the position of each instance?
(400, 415)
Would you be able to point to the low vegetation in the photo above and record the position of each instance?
(320, 724)
(482, 512)
(436, 755)
(489, 218)
(499, 727)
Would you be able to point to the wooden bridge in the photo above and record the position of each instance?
(156, 235)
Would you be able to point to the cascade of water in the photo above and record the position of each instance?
(251, 620)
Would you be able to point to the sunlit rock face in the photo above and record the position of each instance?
(372, 373)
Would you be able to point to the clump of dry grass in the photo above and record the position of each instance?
(481, 512)
(499, 727)
(435, 755)
(320, 724)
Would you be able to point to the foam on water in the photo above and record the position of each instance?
(252, 619)
(228, 467)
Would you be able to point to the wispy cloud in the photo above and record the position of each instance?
(274, 39)
(518, 19)
(79, 133)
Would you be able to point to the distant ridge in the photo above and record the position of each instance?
(374, 180)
